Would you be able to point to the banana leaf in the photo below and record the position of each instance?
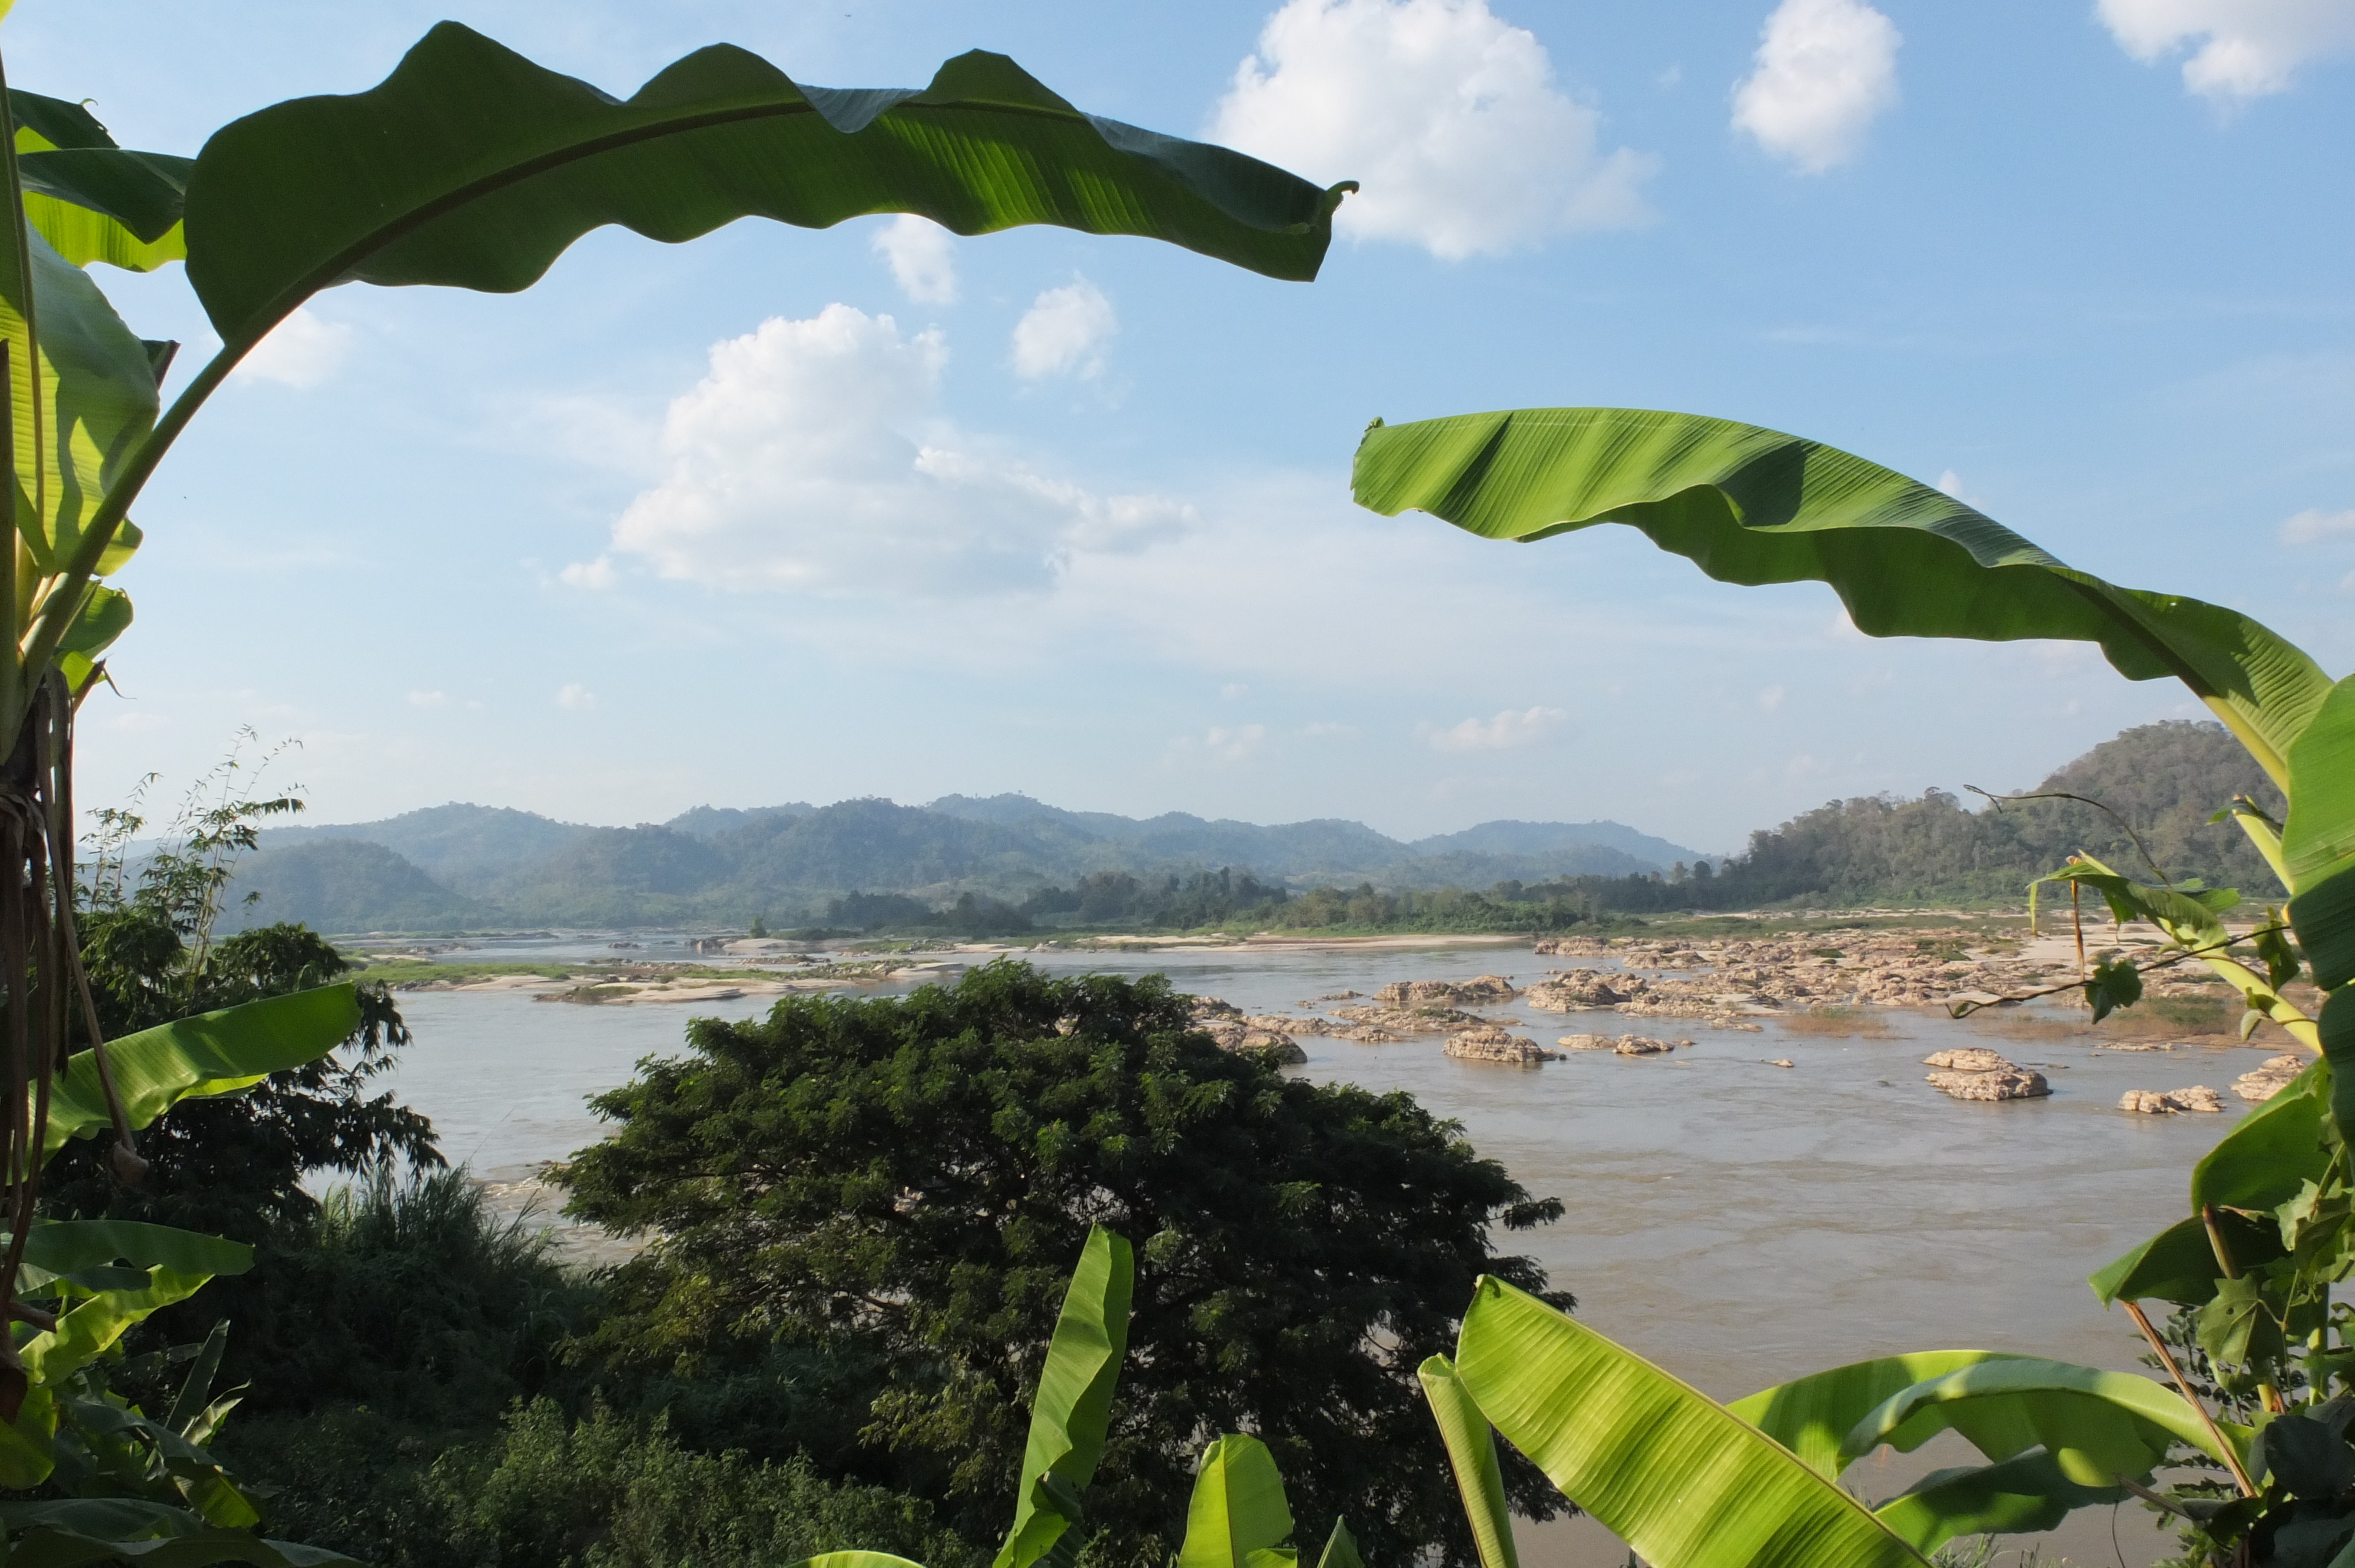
(53, 1546)
(57, 1248)
(2178, 1264)
(2319, 839)
(1751, 505)
(472, 167)
(2318, 835)
(1237, 1517)
(1812, 1415)
(2019, 1497)
(1472, 1454)
(90, 199)
(211, 1054)
(2337, 1023)
(95, 405)
(856, 1560)
(1340, 1548)
(2274, 1150)
(1683, 1481)
(1072, 1409)
(2096, 1425)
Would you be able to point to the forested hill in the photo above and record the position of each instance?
(2164, 780)
(469, 866)
(461, 866)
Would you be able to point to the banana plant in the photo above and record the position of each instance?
(470, 167)
(1237, 1516)
(139, 1486)
(2268, 1231)
(1686, 1481)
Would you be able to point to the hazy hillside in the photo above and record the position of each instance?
(2164, 780)
(345, 885)
(1555, 838)
(458, 845)
(470, 864)
(476, 865)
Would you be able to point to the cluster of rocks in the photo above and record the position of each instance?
(1483, 991)
(1266, 1035)
(1568, 990)
(1974, 1073)
(1624, 1045)
(2166, 1102)
(1433, 1018)
(2270, 1077)
(1490, 1043)
(1903, 967)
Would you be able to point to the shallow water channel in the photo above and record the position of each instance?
(1738, 1222)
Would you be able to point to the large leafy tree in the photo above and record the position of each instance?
(912, 1179)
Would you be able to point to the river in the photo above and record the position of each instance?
(1738, 1222)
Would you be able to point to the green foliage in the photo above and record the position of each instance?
(913, 1179)
(544, 1490)
(409, 1296)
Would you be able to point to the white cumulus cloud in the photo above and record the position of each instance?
(428, 699)
(1508, 729)
(2239, 48)
(922, 257)
(1826, 70)
(300, 352)
(1447, 115)
(2313, 525)
(811, 459)
(574, 697)
(1065, 333)
(598, 574)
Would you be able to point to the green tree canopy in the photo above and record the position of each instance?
(916, 1176)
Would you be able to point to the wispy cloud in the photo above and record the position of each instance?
(2313, 525)
(1508, 729)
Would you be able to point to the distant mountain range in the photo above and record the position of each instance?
(465, 867)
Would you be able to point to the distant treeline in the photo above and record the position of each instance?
(2160, 783)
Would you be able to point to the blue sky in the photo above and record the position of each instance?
(582, 550)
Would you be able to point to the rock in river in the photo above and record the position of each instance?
(2011, 1083)
(2155, 1102)
(2264, 1083)
(1968, 1059)
(1490, 1043)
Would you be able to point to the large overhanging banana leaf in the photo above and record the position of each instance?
(1072, 1409)
(1683, 1480)
(1751, 505)
(211, 1054)
(470, 165)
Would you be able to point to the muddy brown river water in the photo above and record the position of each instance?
(1738, 1222)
